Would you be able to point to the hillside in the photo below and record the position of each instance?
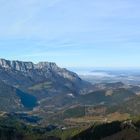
(12, 99)
(127, 130)
(103, 97)
(12, 129)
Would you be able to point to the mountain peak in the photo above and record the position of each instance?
(41, 65)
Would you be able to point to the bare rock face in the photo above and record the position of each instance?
(16, 65)
(45, 69)
(27, 75)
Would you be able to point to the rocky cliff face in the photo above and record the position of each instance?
(16, 65)
(26, 67)
(42, 78)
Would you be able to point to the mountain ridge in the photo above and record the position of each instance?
(25, 75)
(24, 65)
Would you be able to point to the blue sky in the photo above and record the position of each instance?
(72, 33)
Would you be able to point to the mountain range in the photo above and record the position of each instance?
(26, 86)
(43, 96)
(21, 80)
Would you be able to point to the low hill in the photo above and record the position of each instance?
(127, 130)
